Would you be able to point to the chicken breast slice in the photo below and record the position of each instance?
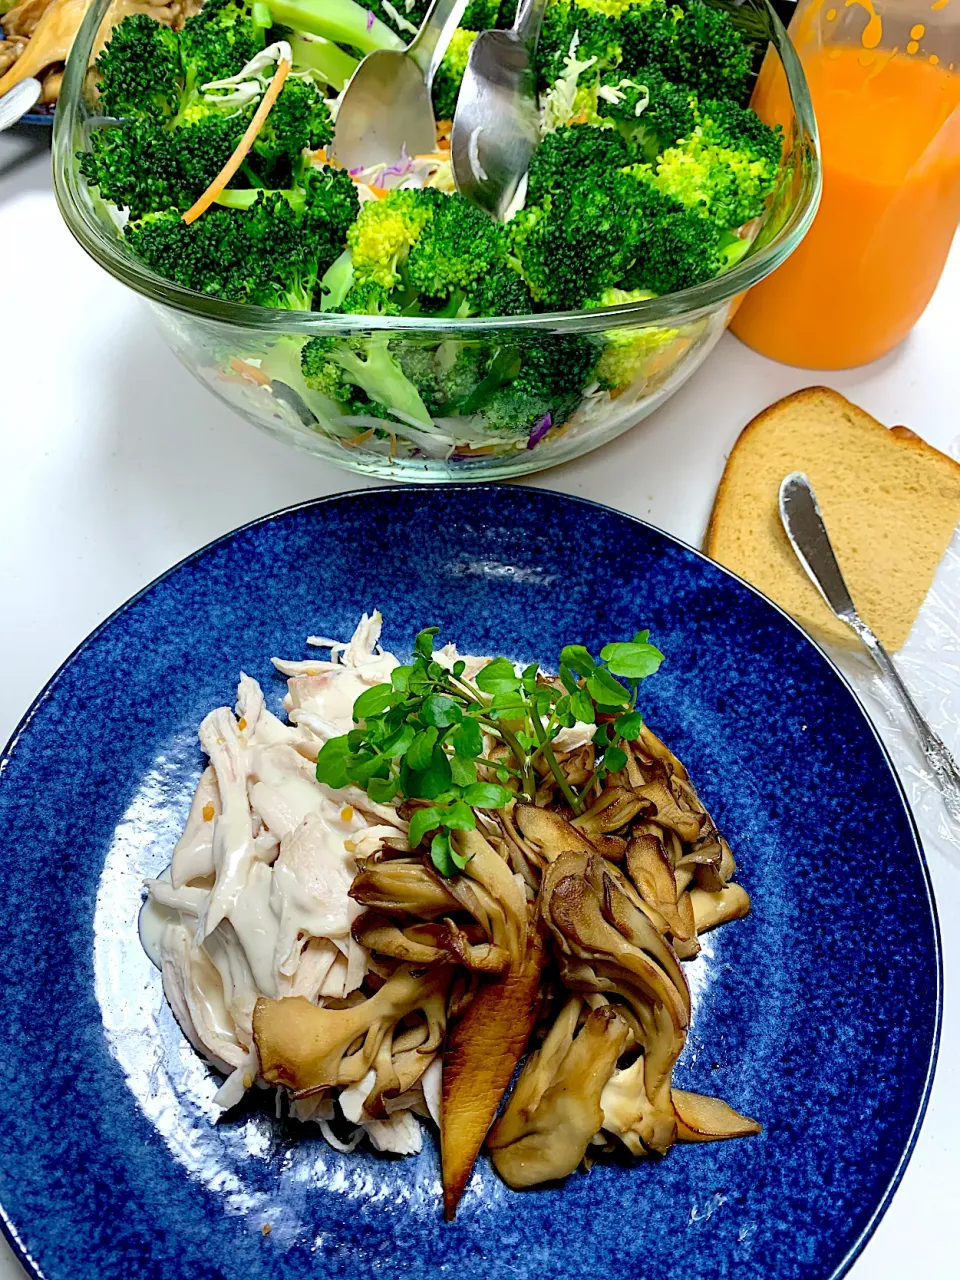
(194, 992)
(233, 847)
(193, 853)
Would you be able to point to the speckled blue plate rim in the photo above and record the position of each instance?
(8, 1227)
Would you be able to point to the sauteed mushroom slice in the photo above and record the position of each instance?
(551, 834)
(704, 1119)
(481, 1053)
(668, 812)
(653, 876)
(307, 1049)
(403, 887)
(636, 1102)
(440, 942)
(588, 908)
(555, 1109)
(613, 809)
(732, 902)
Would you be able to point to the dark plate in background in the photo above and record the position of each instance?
(818, 1014)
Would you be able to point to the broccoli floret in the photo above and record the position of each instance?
(457, 245)
(144, 166)
(726, 124)
(554, 370)
(400, 15)
(266, 247)
(648, 110)
(577, 234)
(368, 363)
(140, 70)
(574, 154)
(572, 32)
(485, 15)
(606, 226)
(628, 353)
(299, 120)
(728, 186)
(676, 249)
(385, 231)
(335, 365)
(444, 375)
(502, 292)
(696, 46)
(218, 41)
(211, 256)
(449, 76)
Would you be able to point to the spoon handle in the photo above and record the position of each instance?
(529, 21)
(430, 43)
(16, 102)
(800, 513)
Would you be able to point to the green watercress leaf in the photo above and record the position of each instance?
(440, 711)
(567, 678)
(467, 740)
(441, 854)
(577, 658)
(498, 677)
(383, 790)
(605, 690)
(462, 771)
(429, 783)
(332, 762)
(634, 661)
(614, 759)
(581, 706)
(373, 701)
(420, 751)
(628, 726)
(486, 795)
(459, 817)
(423, 820)
(424, 641)
(399, 742)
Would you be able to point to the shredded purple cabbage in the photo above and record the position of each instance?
(539, 430)
(354, 172)
(370, 19)
(401, 168)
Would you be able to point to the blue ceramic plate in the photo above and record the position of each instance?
(818, 1014)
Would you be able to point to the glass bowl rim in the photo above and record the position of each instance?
(686, 304)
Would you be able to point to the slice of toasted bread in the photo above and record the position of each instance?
(890, 503)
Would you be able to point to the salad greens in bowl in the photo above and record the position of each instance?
(375, 317)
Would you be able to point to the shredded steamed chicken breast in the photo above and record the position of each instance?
(255, 900)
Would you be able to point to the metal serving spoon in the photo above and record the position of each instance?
(16, 102)
(803, 522)
(386, 107)
(496, 126)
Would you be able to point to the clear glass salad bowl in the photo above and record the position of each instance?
(248, 356)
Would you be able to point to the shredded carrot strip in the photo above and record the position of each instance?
(250, 371)
(362, 438)
(380, 192)
(243, 146)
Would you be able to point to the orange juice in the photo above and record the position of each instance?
(890, 139)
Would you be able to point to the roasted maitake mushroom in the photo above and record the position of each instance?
(555, 1108)
(308, 1049)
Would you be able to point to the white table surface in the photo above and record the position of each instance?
(114, 464)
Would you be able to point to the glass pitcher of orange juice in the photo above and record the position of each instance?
(885, 80)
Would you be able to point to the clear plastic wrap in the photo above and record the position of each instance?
(930, 665)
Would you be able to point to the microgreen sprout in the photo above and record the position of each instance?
(426, 735)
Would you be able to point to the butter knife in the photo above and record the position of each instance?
(808, 536)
